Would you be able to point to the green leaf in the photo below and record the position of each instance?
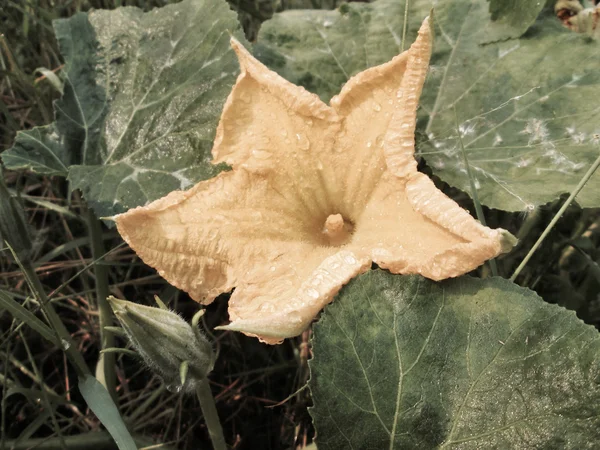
(527, 107)
(100, 402)
(143, 95)
(404, 362)
(511, 18)
(39, 150)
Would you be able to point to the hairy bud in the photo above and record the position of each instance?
(171, 347)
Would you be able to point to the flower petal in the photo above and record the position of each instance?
(203, 240)
(272, 127)
(379, 108)
(281, 301)
(412, 227)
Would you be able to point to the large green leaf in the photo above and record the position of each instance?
(143, 95)
(526, 107)
(404, 362)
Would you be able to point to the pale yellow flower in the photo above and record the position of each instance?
(317, 193)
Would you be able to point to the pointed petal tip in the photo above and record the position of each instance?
(264, 335)
(507, 240)
(234, 42)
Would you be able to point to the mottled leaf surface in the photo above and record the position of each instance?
(321, 49)
(404, 362)
(143, 95)
(526, 107)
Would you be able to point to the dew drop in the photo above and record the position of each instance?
(65, 344)
(379, 141)
(319, 164)
(312, 293)
(349, 259)
(174, 388)
(376, 107)
(272, 268)
(317, 280)
(369, 144)
(303, 141)
(261, 154)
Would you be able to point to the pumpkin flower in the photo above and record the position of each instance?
(315, 195)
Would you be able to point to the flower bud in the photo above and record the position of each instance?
(13, 228)
(178, 352)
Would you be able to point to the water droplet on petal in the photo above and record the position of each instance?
(376, 107)
(261, 154)
(303, 141)
(349, 259)
(312, 293)
(369, 144)
(379, 141)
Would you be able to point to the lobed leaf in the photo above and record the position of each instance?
(143, 95)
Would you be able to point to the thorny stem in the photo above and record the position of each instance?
(555, 219)
(211, 417)
(105, 368)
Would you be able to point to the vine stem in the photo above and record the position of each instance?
(555, 219)
(105, 368)
(211, 417)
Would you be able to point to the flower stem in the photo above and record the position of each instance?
(105, 368)
(207, 403)
(555, 219)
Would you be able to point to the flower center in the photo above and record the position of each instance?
(336, 230)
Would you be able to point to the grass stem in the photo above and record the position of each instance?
(211, 417)
(478, 208)
(555, 219)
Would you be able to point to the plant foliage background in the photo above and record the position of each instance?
(476, 361)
